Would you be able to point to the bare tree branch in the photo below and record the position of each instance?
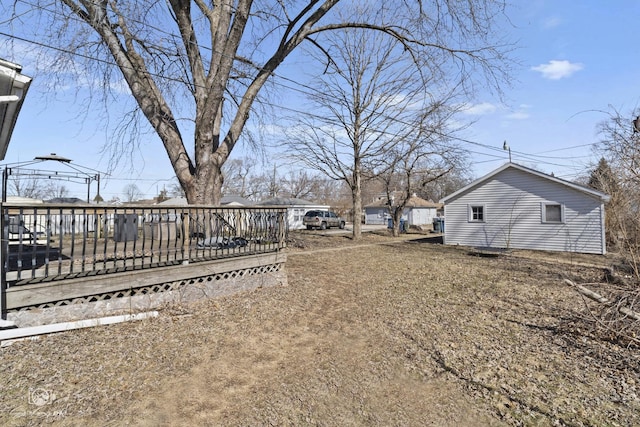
(194, 70)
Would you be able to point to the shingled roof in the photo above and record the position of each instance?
(413, 202)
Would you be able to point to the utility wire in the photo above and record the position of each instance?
(532, 157)
(297, 87)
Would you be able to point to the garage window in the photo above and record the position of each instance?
(476, 213)
(552, 213)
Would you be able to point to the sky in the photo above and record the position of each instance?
(576, 66)
(576, 63)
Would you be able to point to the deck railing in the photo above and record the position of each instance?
(51, 242)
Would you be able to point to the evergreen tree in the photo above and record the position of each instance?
(603, 179)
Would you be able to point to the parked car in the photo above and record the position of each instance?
(322, 220)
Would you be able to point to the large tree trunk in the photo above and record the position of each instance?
(397, 216)
(206, 187)
(356, 194)
(201, 181)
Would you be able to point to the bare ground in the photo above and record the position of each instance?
(378, 332)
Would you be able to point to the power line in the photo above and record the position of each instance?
(297, 86)
(570, 148)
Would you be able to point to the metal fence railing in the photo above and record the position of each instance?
(50, 242)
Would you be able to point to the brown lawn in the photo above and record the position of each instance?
(379, 332)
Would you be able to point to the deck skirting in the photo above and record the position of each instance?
(141, 290)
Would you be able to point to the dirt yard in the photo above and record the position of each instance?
(380, 332)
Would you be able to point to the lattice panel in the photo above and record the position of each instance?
(161, 287)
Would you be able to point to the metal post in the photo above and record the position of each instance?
(98, 196)
(3, 257)
(5, 176)
(186, 236)
(506, 147)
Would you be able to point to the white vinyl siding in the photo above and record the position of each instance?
(513, 217)
(419, 216)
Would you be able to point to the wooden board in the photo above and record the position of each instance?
(42, 293)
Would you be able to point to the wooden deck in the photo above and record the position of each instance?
(42, 263)
(65, 254)
(69, 289)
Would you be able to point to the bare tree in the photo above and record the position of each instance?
(259, 187)
(604, 179)
(620, 145)
(239, 173)
(302, 184)
(247, 181)
(266, 185)
(25, 187)
(618, 174)
(375, 107)
(354, 109)
(131, 192)
(448, 184)
(175, 190)
(419, 159)
(162, 196)
(55, 190)
(195, 69)
(274, 186)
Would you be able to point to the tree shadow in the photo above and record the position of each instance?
(32, 256)
(433, 240)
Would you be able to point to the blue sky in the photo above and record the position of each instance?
(577, 59)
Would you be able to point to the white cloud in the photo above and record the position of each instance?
(273, 129)
(479, 109)
(555, 70)
(120, 87)
(551, 22)
(518, 115)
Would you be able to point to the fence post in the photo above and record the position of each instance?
(185, 237)
(283, 229)
(3, 257)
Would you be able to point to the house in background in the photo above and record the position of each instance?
(228, 201)
(296, 208)
(518, 207)
(418, 212)
(233, 200)
(65, 200)
(24, 200)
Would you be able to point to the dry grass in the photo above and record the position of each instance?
(379, 332)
